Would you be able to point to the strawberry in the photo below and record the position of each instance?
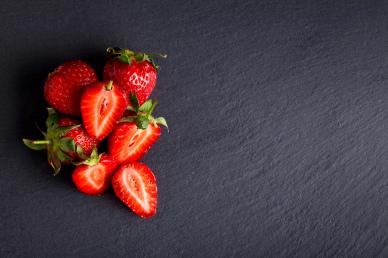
(93, 176)
(134, 71)
(102, 105)
(129, 143)
(80, 137)
(65, 141)
(135, 185)
(135, 135)
(64, 87)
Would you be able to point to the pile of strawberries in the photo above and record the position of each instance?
(84, 112)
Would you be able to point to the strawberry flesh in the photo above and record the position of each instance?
(101, 108)
(94, 179)
(135, 185)
(128, 143)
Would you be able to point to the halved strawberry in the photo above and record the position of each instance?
(94, 175)
(135, 135)
(128, 143)
(102, 105)
(135, 185)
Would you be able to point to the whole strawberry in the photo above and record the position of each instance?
(136, 72)
(80, 137)
(64, 87)
(65, 140)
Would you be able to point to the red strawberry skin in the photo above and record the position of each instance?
(137, 77)
(79, 135)
(64, 87)
(102, 105)
(127, 143)
(95, 179)
(135, 185)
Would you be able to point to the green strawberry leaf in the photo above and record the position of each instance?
(139, 56)
(67, 144)
(125, 59)
(80, 152)
(154, 102)
(126, 56)
(94, 154)
(161, 121)
(146, 106)
(134, 101)
(54, 161)
(62, 156)
(52, 119)
(35, 145)
(90, 161)
(142, 122)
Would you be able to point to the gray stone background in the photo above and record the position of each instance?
(279, 129)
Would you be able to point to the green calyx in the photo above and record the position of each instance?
(127, 56)
(143, 115)
(90, 161)
(54, 142)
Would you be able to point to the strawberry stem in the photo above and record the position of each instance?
(47, 142)
(109, 85)
(111, 50)
(157, 55)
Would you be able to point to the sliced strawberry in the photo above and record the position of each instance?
(102, 105)
(95, 175)
(128, 143)
(135, 185)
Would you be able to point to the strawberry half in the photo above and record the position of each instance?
(64, 87)
(65, 141)
(134, 71)
(129, 143)
(135, 135)
(102, 105)
(135, 185)
(94, 175)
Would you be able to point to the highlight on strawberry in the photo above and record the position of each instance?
(83, 112)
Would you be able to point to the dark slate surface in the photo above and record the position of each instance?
(279, 129)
